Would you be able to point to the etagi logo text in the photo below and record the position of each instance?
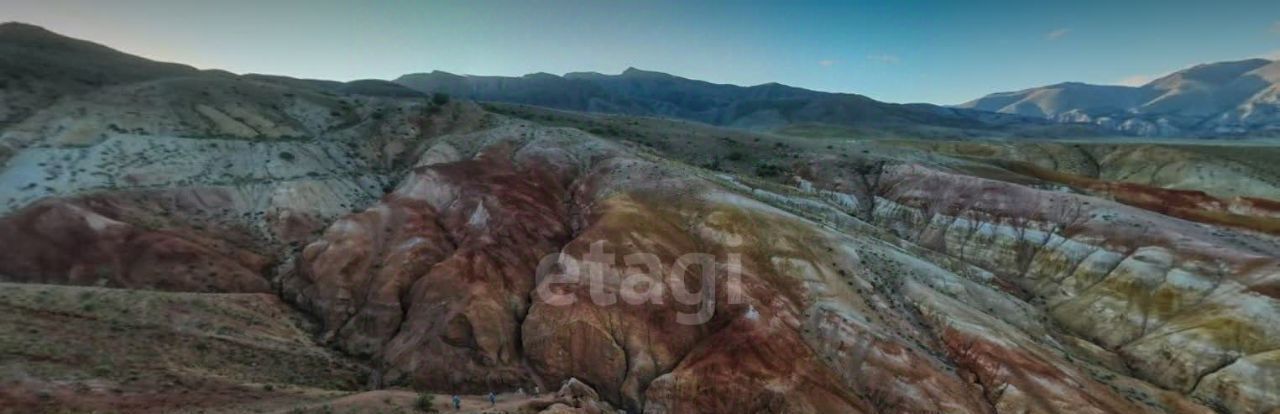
(641, 278)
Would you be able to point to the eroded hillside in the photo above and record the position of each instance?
(224, 243)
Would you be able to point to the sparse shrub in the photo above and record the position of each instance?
(439, 99)
(736, 156)
(286, 155)
(425, 403)
(768, 170)
(605, 130)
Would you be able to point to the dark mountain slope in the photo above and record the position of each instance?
(767, 106)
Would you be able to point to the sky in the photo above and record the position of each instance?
(943, 52)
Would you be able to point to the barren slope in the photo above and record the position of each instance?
(221, 248)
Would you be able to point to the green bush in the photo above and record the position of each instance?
(439, 98)
(425, 403)
(768, 170)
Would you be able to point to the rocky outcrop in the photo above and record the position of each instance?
(923, 289)
(429, 272)
(975, 295)
(356, 276)
(82, 242)
(1169, 301)
(494, 325)
(574, 397)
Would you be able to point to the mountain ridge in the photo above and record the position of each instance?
(1233, 98)
(1222, 98)
(767, 106)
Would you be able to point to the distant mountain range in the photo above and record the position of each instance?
(1229, 98)
(1239, 97)
(766, 107)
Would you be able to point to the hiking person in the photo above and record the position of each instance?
(493, 399)
(457, 402)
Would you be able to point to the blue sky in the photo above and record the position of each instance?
(899, 51)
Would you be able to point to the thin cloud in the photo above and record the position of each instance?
(826, 63)
(1275, 27)
(1272, 55)
(884, 59)
(1056, 34)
